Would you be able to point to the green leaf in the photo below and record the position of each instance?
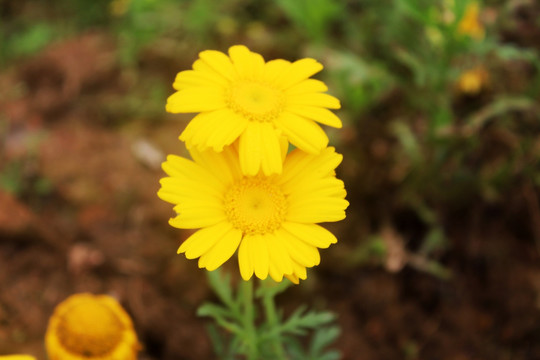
(221, 315)
(221, 284)
(322, 338)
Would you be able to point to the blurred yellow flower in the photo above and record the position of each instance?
(119, 7)
(241, 96)
(17, 357)
(90, 327)
(472, 81)
(271, 220)
(470, 23)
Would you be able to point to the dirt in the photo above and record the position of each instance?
(86, 218)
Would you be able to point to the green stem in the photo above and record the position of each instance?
(273, 323)
(249, 320)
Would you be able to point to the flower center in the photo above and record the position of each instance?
(255, 101)
(255, 205)
(90, 329)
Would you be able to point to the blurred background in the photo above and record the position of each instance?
(439, 255)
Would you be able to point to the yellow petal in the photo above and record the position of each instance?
(303, 133)
(273, 70)
(299, 166)
(214, 129)
(272, 160)
(195, 216)
(316, 210)
(179, 167)
(314, 99)
(299, 271)
(225, 130)
(244, 260)
(298, 250)
(325, 187)
(318, 114)
(246, 63)
(202, 66)
(307, 86)
(219, 62)
(293, 278)
(179, 186)
(278, 255)
(224, 165)
(221, 251)
(201, 241)
(250, 150)
(298, 71)
(196, 99)
(192, 78)
(259, 255)
(311, 234)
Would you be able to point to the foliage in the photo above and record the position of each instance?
(274, 337)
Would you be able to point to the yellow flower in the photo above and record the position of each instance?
(119, 7)
(17, 357)
(90, 327)
(241, 96)
(271, 220)
(473, 80)
(470, 23)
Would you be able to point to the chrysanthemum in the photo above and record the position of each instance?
(271, 220)
(91, 327)
(241, 96)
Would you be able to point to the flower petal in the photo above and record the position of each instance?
(311, 234)
(273, 70)
(278, 255)
(299, 251)
(307, 86)
(221, 251)
(303, 133)
(196, 99)
(316, 210)
(195, 215)
(220, 62)
(248, 64)
(244, 260)
(224, 165)
(314, 99)
(201, 241)
(193, 78)
(272, 160)
(318, 114)
(299, 166)
(298, 71)
(226, 131)
(260, 147)
(214, 129)
(259, 255)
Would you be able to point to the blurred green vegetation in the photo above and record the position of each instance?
(439, 83)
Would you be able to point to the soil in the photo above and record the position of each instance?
(86, 218)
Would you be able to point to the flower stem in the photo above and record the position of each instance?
(249, 319)
(273, 322)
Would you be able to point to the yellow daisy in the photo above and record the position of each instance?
(90, 327)
(470, 23)
(472, 81)
(271, 220)
(17, 357)
(241, 96)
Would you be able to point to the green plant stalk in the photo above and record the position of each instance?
(250, 335)
(273, 323)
